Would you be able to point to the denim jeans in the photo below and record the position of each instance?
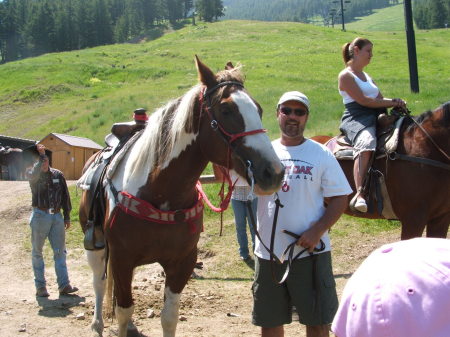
(242, 217)
(45, 225)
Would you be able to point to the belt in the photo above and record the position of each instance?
(49, 210)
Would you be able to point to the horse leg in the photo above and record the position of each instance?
(413, 226)
(177, 276)
(438, 227)
(123, 276)
(170, 312)
(96, 260)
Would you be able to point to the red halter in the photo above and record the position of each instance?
(214, 123)
(225, 200)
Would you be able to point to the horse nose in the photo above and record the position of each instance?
(269, 177)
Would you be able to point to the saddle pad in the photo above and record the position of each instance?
(85, 180)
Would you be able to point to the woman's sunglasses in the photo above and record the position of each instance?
(298, 112)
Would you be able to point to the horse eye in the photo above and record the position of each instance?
(225, 110)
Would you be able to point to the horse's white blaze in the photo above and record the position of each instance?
(252, 121)
(169, 314)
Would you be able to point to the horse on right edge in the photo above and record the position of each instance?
(417, 175)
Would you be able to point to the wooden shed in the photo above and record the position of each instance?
(69, 153)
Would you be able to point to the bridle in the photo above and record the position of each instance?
(205, 95)
(407, 113)
(228, 137)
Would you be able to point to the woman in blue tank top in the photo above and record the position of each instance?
(363, 103)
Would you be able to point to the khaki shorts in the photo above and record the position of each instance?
(366, 140)
(315, 305)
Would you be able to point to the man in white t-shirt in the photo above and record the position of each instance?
(311, 175)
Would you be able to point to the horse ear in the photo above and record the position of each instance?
(229, 66)
(205, 75)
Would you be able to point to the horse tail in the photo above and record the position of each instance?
(110, 299)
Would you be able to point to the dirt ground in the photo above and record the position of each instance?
(210, 307)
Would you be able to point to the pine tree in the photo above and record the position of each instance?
(437, 14)
(42, 29)
(209, 10)
(102, 23)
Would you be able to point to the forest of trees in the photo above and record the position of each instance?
(323, 12)
(32, 27)
(429, 14)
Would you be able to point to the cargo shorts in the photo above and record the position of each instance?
(314, 298)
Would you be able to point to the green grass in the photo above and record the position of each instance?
(83, 92)
(389, 19)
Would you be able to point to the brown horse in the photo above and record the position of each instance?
(419, 189)
(158, 215)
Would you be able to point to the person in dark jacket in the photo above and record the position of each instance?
(50, 195)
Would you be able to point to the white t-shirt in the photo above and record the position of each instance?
(367, 87)
(311, 173)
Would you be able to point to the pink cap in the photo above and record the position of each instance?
(401, 290)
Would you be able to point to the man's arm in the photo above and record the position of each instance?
(334, 210)
(65, 202)
(36, 170)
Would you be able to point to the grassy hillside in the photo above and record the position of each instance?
(83, 92)
(388, 19)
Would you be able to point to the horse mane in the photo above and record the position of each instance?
(445, 121)
(167, 126)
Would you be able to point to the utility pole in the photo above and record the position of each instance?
(411, 42)
(342, 11)
(332, 15)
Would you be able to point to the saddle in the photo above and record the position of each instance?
(122, 131)
(388, 129)
(97, 176)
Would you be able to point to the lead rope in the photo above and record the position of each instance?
(278, 204)
(289, 249)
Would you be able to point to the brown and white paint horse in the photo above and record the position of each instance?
(217, 121)
(417, 175)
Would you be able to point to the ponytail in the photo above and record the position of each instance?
(346, 53)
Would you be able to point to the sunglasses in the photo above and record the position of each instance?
(298, 112)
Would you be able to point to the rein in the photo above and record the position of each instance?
(289, 249)
(420, 160)
(408, 113)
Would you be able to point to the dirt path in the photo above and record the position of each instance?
(205, 303)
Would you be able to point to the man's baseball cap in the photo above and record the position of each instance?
(294, 96)
(401, 290)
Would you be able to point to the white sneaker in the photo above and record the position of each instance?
(360, 205)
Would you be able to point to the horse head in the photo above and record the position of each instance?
(428, 135)
(233, 125)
